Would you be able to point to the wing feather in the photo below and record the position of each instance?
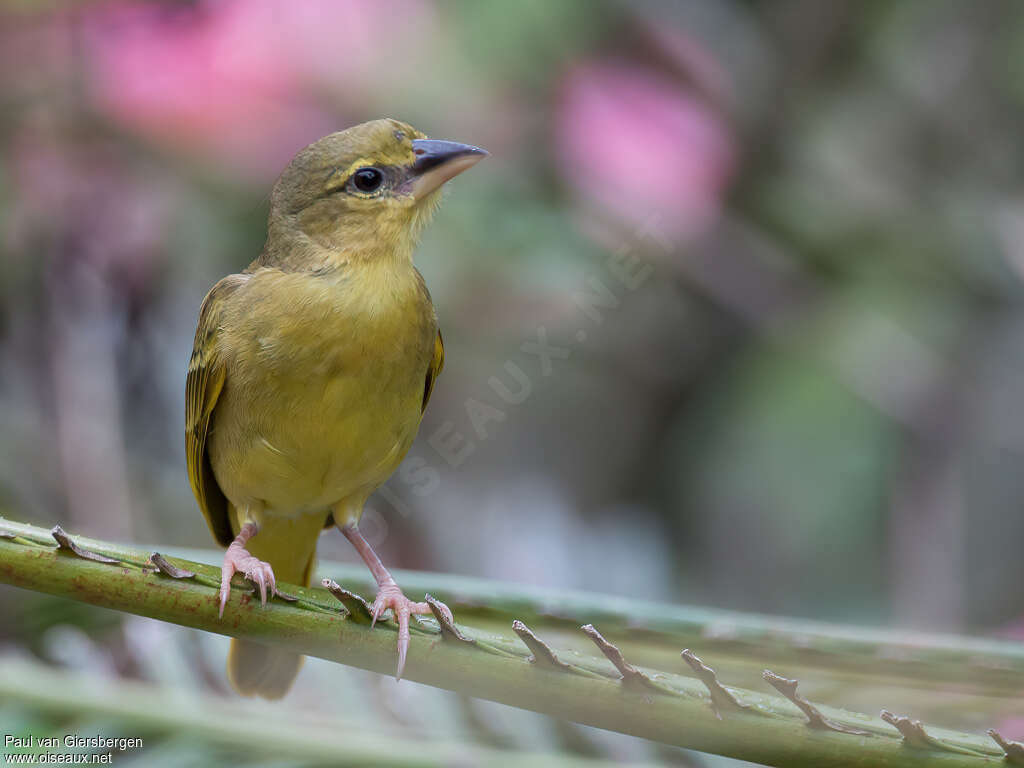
(203, 385)
(434, 370)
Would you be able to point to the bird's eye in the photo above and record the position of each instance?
(367, 179)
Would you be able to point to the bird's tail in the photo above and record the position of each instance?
(255, 669)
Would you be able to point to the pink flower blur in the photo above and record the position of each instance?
(240, 81)
(639, 145)
(115, 214)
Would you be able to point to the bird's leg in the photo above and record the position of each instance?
(389, 595)
(238, 559)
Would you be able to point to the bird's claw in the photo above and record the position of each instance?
(238, 560)
(390, 596)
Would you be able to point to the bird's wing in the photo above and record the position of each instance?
(434, 370)
(203, 385)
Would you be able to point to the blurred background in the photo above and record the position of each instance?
(772, 252)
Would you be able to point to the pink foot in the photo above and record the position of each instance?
(390, 596)
(238, 560)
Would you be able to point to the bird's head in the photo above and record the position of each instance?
(367, 190)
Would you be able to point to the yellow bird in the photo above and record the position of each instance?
(311, 369)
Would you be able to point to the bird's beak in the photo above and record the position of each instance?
(438, 161)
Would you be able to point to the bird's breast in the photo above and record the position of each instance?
(324, 393)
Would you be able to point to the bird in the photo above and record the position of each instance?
(311, 370)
